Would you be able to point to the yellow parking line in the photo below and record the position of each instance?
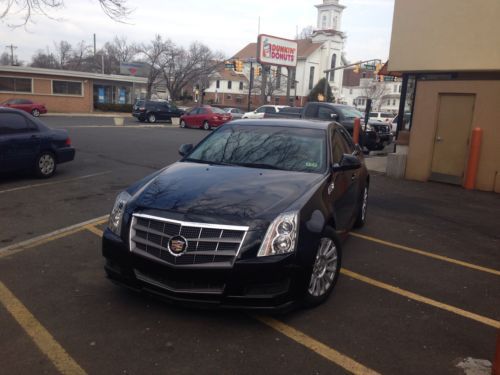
(455, 310)
(318, 347)
(427, 254)
(49, 237)
(94, 230)
(54, 182)
(42, 338)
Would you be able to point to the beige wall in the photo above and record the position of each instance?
(486, 116)
(42, 93)
(445, 35)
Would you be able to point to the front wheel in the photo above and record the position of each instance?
(206, 125)
(35, 112)
(45, 165)
(325, 270)
(151, 118)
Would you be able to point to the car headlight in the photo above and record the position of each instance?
(369, 127)
(116, 216)
(281, 236)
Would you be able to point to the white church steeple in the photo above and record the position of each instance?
(329, 15)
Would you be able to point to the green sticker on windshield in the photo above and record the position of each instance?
(311, 164)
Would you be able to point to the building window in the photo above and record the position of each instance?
(241, 85)
(228, 97)
(389, 102)
(67, 88)
(323, 22)
(393, 101)
(396, 88)
(15, 84)
(276, 100)
(292, 77)
(217, 84)
(311, 77)
(399, 90)
(333, 64)
(229, 84)
(350, 91)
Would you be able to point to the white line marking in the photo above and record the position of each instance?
(54, 182)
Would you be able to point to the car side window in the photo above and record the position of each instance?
(311, 111)
(337, 148)
(270, 110)
(325, 113)
(261, 110)
(194, 111)
(347, 140)
(13, 123)
(202, 111)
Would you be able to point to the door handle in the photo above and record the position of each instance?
(439, 139)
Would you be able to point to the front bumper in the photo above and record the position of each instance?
(270, 283)
(376, 141)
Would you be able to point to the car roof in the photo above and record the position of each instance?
(295, 123)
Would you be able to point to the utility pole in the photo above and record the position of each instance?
(12, 48)
(250, 84)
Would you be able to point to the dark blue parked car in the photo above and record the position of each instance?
(27, 144)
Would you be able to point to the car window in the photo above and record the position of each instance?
(386, 115)
(337, 148)
(25, 101)
(349, 144)
(13, 123)
(350, 112)
(194, 111)
(291, 149)
(373, 114)
(311, 111)
(261, 110)
(218, 110)
(325, 113)
(270, 110)
(202, 111)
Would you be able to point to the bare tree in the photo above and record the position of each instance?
(375, 91)
(117, 10)
(192, 66)
(276, 84)
(44, 59)
(116, 52)
(306, 33)
(154, 55)
(63, 53)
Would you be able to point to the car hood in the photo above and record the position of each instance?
(222, 194)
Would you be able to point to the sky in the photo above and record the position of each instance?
(223, 25)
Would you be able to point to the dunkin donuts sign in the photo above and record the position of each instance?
(277, 51)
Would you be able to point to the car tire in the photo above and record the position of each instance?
(35, 112)
(151, 118)
(206, 125)
(183, 124)
(361, 216)
(45, 165)
(325, 269)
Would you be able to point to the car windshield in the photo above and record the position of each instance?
(349, 112)
(271, 147)
(218, 110)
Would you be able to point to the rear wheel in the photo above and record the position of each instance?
(151, 118)
(35, 112)
(206, 125)
(183, 124)
(325, 270)
(45, 165)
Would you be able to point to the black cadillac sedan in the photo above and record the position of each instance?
(250, 217)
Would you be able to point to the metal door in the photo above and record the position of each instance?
(451, 142)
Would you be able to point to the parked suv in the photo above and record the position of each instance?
(152, 111)
(381, 116)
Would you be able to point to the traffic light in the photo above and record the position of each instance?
(238, 66)
(357, 69)
(258, 71)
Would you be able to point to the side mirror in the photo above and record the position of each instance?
(348, 162)
(185, 149)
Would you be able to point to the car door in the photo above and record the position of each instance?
(341, 185)
(202, 115)
(21, 142)
(259, 112)
(191, 117)
(164, 111)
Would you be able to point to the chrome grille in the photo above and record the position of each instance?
(207, 243)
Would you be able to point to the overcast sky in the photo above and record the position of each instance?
(224, 25)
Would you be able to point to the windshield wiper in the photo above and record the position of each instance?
(257, 165)
(206, 161)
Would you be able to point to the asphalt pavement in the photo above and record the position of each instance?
(419, 292)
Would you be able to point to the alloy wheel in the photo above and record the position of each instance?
(35, 112)
(151, 118)
(325, 268)
(46, 164)
(206, 125)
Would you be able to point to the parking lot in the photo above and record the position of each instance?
(418, 294)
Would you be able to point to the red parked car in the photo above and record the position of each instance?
(36, 109)
(205, 117)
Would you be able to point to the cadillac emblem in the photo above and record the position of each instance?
(177, 245)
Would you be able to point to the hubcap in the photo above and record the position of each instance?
(206, 126)
(152, 118)
(46, 164)
(365, 204)
(36, 113)
(324, 269)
